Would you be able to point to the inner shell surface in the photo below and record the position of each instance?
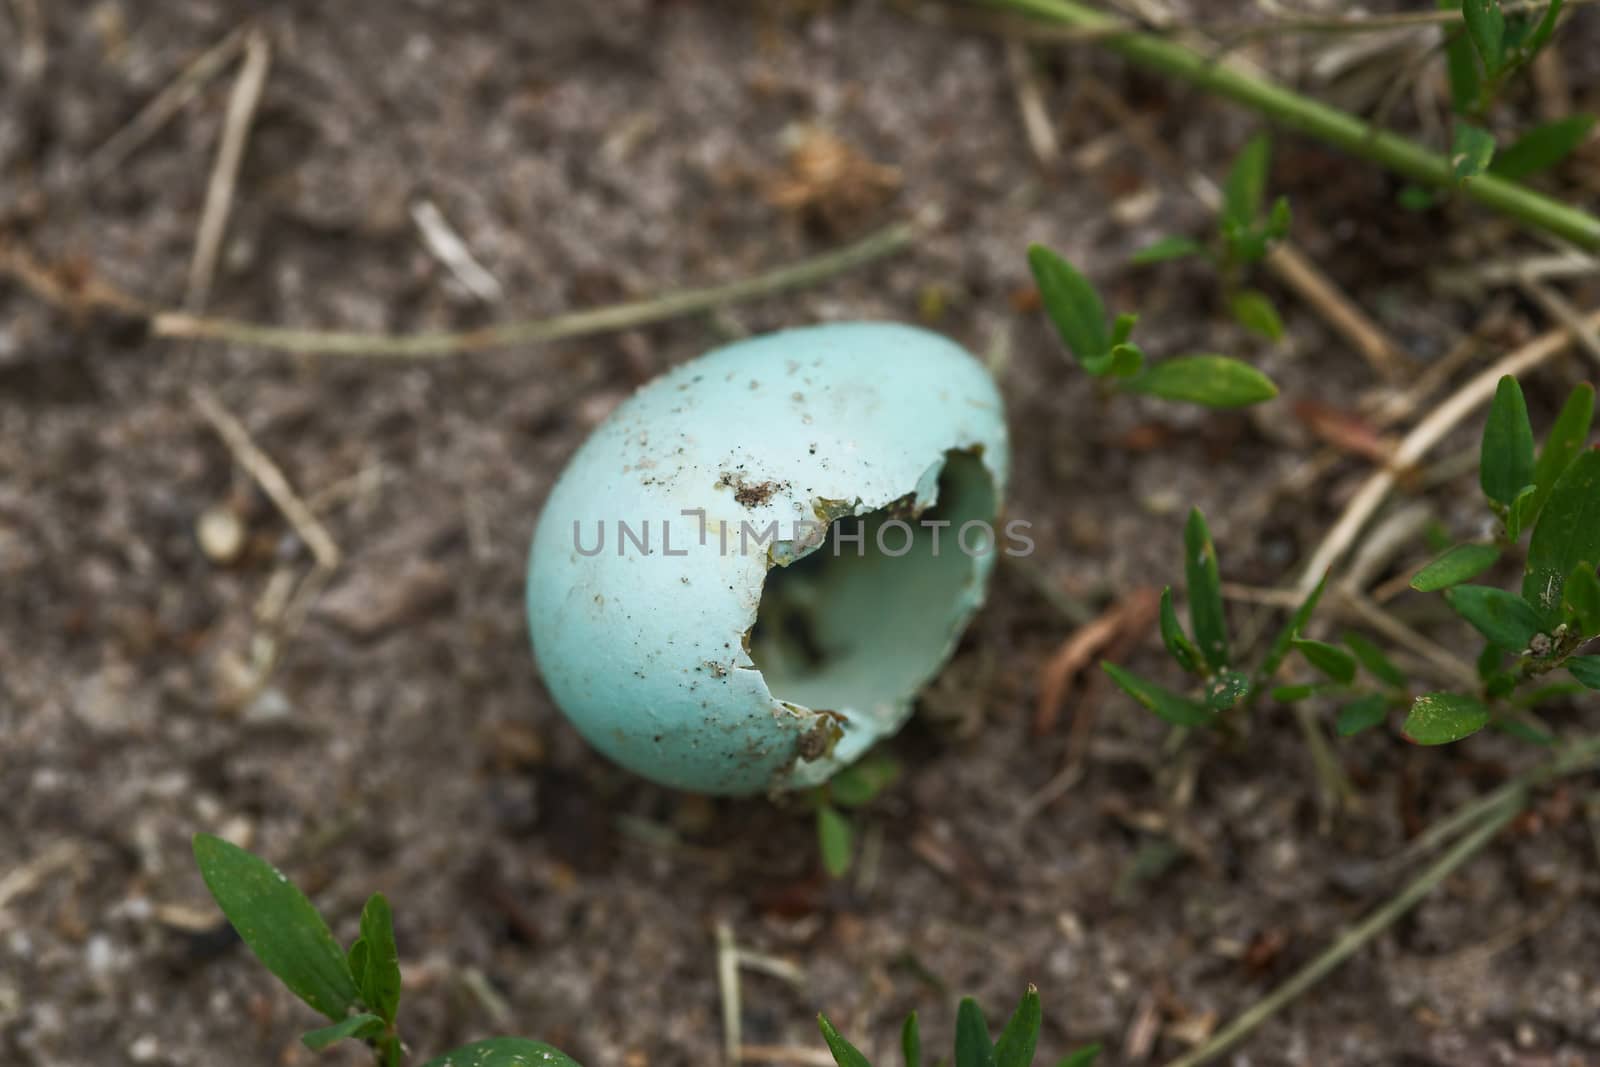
(858, 628)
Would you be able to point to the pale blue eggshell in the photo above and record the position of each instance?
(649, 654)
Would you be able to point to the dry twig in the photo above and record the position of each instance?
(91, 296)
(1036, 121)
(225, 171)
(269, 476)
(452, 251)
(795, 1054)
(1352, 941)
(728, 988)
(1557, 307)
(165, 104)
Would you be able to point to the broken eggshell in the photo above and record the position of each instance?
(698, 645)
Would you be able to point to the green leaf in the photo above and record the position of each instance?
(1542, 147)
(1244, 244)
(863, 781)
(1489, 659)
(1376, 663)
(1072, 304)
(1253, 310)
(513, 1052)
(836, 839)
(1580, 600)
(356, 958)
(1168, 248)
(1541, 33)
(1021, 1035)
(1173, 707)
(1362, 714)
(1567, 533)
(1214, 381)
(1246, 185)
(844, 1053)
(1471, 151)
(1417, 198)
(1206, 614)
(1486, 26)
(1177, 642)
(1517, 514)
(1504, 618)
(1285, 639)
(1083, 1057)
(973, 1047)
(1225, 689)
(1506, 460)
(1460, 564)
(1279, 221)
(911, 1041)
(1122, 329)
(279, 924)
(1440, 718)
(380, 981)
(1126, 359)
(356, 1026)
(1563, 444)
(1586, 669)
(1466, 86)
(1331, 660)
(1293, 694)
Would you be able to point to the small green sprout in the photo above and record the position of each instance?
(974, 1047)
(1108, 353)
(357, 991)
(1246, 230)
(854, 787)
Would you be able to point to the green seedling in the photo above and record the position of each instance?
(356, 990)
(1108, 353)
(1246, 230)
(1481, 57)
(974, 1046)
(852, 788)
(1554, 492)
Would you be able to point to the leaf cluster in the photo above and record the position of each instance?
(1106, 350)
(974, 1047)
(358, 990)
(1550, 493)
(1490, 48)
(1246, 229)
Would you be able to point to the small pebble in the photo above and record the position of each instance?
(99, 955)
(221, 535)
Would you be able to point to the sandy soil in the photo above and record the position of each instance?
(588, 153)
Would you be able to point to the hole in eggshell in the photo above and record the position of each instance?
(861, 633)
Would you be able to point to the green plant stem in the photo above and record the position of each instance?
(1305, 115)
(1351, 941)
